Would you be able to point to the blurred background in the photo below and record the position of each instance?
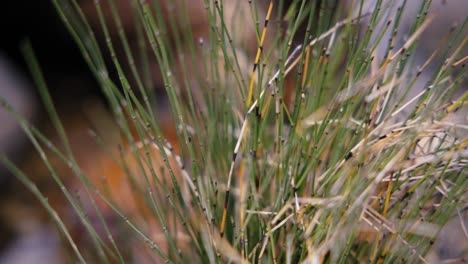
(23, 237)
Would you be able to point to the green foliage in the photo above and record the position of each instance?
(339, 173)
